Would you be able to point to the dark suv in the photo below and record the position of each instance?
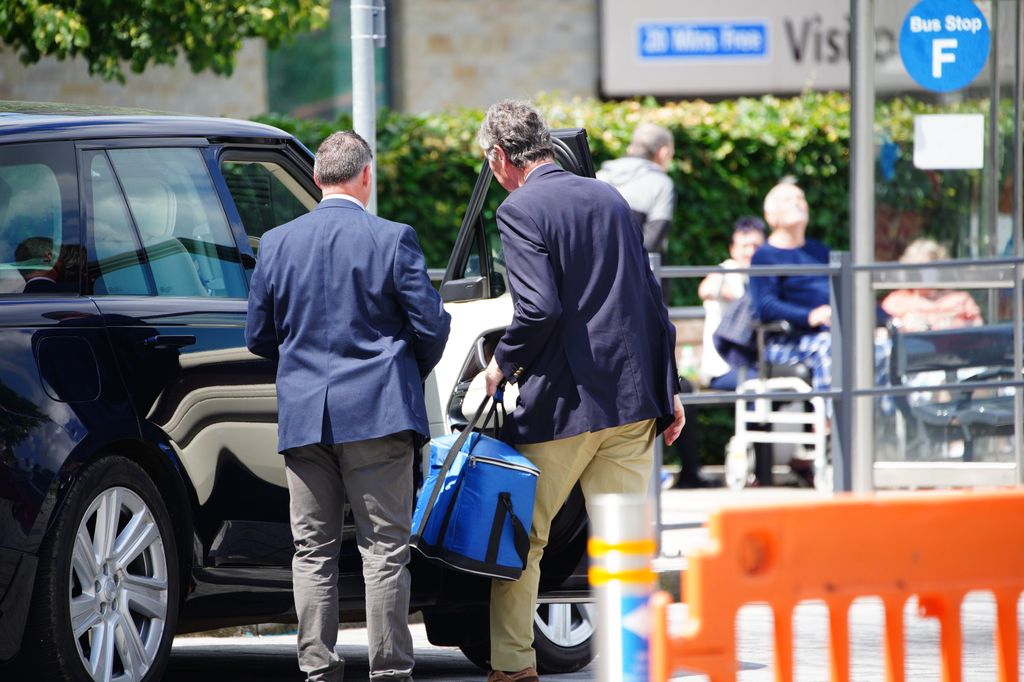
(141, 493)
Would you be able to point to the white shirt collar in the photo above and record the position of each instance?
(347, 197)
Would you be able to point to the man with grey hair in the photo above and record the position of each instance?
(641, 178)
(341, 299)
(590, 347)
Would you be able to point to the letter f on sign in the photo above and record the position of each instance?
(940, 57)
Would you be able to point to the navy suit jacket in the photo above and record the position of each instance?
(341, 299)
(590, 343)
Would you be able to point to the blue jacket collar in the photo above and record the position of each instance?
(339, 203)
(546, 169)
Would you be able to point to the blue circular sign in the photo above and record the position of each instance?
(944, 43)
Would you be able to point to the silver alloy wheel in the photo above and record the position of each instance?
(117, 587)
(565, 625)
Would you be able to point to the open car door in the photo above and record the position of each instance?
(475, 292)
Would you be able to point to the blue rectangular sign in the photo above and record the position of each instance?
(747, 40)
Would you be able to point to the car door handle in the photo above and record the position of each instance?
(169, 341)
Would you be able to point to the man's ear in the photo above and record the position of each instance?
(664, 156)
(365, 177)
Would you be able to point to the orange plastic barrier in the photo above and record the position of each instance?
(936, 546)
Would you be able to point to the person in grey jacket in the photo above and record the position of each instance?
(641, 179)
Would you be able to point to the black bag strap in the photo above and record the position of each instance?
(446, 521)
(520, 538)
(501, 510)
(457, 447)
(497, 408)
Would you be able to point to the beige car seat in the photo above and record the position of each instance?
(154, 205)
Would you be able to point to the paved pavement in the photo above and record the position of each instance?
(262, 659)
(273, 658)
(866, 619)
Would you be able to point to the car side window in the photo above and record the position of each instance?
(39, 251)
(115, 266)
(486, 257)
(265, 194)
(180, 223)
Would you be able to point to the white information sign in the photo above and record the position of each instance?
(949, 141)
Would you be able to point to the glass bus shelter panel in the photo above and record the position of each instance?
(940, 335)
(960, 211)
(967, 210)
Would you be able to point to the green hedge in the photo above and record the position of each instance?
(728, 155)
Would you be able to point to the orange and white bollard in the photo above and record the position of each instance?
(621, 549)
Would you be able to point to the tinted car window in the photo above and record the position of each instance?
(265, 194)
(38, 246)
(115, 266)
(488, 252)
(180, 222)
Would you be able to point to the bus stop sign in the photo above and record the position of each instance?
(944, 43)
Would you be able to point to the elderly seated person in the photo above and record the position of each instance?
(800, 299)
(922, 309)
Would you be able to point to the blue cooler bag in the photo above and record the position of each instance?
(475, 510)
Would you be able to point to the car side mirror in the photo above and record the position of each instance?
(465, 289)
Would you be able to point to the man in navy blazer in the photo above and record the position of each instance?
(590, 347)
(341, 299)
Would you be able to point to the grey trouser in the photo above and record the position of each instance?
(376, 475)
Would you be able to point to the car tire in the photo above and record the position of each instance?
(563, 637)
(478, 653)
(108, 569)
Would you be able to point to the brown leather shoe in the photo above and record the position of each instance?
(524, 675)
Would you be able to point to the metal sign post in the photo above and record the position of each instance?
(859, 334)
(367, 33)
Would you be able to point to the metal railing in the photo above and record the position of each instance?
(992, 273)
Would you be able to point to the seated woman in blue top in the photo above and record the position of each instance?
(802, 300)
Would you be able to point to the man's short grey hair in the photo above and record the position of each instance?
(519, 129)
(341, 157)
(648, 138)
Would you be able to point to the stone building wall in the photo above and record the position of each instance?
(175, 89)
(470, 53)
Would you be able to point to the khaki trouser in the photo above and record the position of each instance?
(376, 477)
(615, 460)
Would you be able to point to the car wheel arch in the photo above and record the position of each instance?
(48, 640)
(165, 471)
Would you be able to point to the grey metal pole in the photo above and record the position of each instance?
(621, 548)
(842, 307)
(1018, 233)
(860, 333)
(991, 191)
(654, 488)
(367, 32)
